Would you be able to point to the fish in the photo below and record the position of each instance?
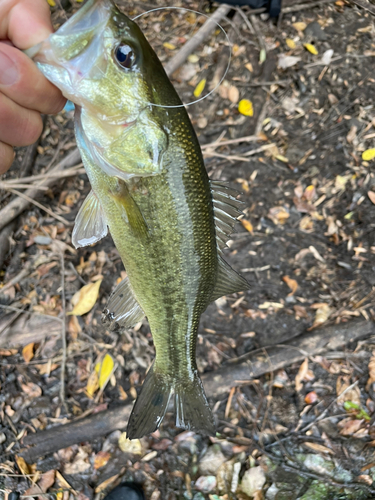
(149, 187)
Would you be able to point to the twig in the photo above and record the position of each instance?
(39, 205)
(22, 274)
(216, 144)
(4, 241)
(48, 175)
(63, 332)
(18, 205)
(200, 36)
(365, 5)
(303, 6)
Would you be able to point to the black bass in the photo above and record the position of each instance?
(150, 188)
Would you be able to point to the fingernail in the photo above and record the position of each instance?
(8, 70)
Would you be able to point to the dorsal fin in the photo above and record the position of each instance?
(228, 281)
(226, 211)
(122, 309)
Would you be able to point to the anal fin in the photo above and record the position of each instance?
(228, 281)
(90, 225)
(122, 309)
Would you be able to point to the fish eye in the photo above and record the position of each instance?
(125, 55)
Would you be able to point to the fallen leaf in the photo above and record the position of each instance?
(248, 225)
(45, 482)
(371, 195)
(347, 393)
(321, 316)
(278, 215)
(267, 305)
(193, 58)
(245, 107)
(292, 284)
(51, 3)
(46, 368)
(101, 459)
(28, 352)
(200, 88)
(371, 371)
(129, 445)
(368, 155)
(301, 374)
(169, 46)
(285, 62)
(319, 448)
(327, 57)
(290, 43)
(32, 390)
(8, 352)
(233, 94)
(102, 486)
(85, 298)
(249, 67)
(92, 384)
(23, 466)
(80, 463)
(300, 26)
(349, 426)
(311, 48)
(104, 370)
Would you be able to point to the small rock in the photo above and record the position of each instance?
(3, 438)
(211, 461)
(253, 480)
(314, 32)
(205, 484)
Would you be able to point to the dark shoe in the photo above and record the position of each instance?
(126, 491)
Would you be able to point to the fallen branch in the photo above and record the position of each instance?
(199, 37)
(18, 205)
(5, 242)
(221, 381)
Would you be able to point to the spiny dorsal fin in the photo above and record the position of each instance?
(228, 281)
(90, 225)
(122, 309)
(226, 211)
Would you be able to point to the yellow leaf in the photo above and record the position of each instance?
(129, 445)
(371, 195)
(290, 43)
(92, 384)
(368, 155)
(282, 158)
(169, 46)
(104, 370)
(60, 495)
(249, 67)
(23, 466)
(86, 298)
(28, 352)
(292, 284)
(245, 107)
(247, 225)
(52, 3)
(193, 58)
(299, 26)
(200, 88)
(311, 48)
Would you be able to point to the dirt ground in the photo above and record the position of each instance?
(289, 366)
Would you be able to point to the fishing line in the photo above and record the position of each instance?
(226, 69)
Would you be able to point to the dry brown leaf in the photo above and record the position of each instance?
(233, 94)
(92, 384)
(371, 195)
(129, 445)
(278, 215)
(28, 352)
(349, 427)
(101, 459)
(342, 387)
(64, 483)
(45, 482)
(292, 284)
(301, 374)
(102, 486)
(8, 352)
(32, 390)
(74, 327)
(321, 316)
(46, 368)
(319, 448)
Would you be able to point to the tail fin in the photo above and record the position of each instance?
(191, 406)
(150, 406)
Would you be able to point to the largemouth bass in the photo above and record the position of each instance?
(150, 188)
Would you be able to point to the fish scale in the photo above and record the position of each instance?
(169, 222)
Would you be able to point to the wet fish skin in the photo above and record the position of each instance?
(150, 187)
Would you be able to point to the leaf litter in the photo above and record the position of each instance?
(307, 237)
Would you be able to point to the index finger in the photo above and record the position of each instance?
(25, 22)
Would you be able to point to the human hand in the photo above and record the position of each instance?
(24, 91)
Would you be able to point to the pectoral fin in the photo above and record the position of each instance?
(228, 281)
(122, 309)
(90, 225)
